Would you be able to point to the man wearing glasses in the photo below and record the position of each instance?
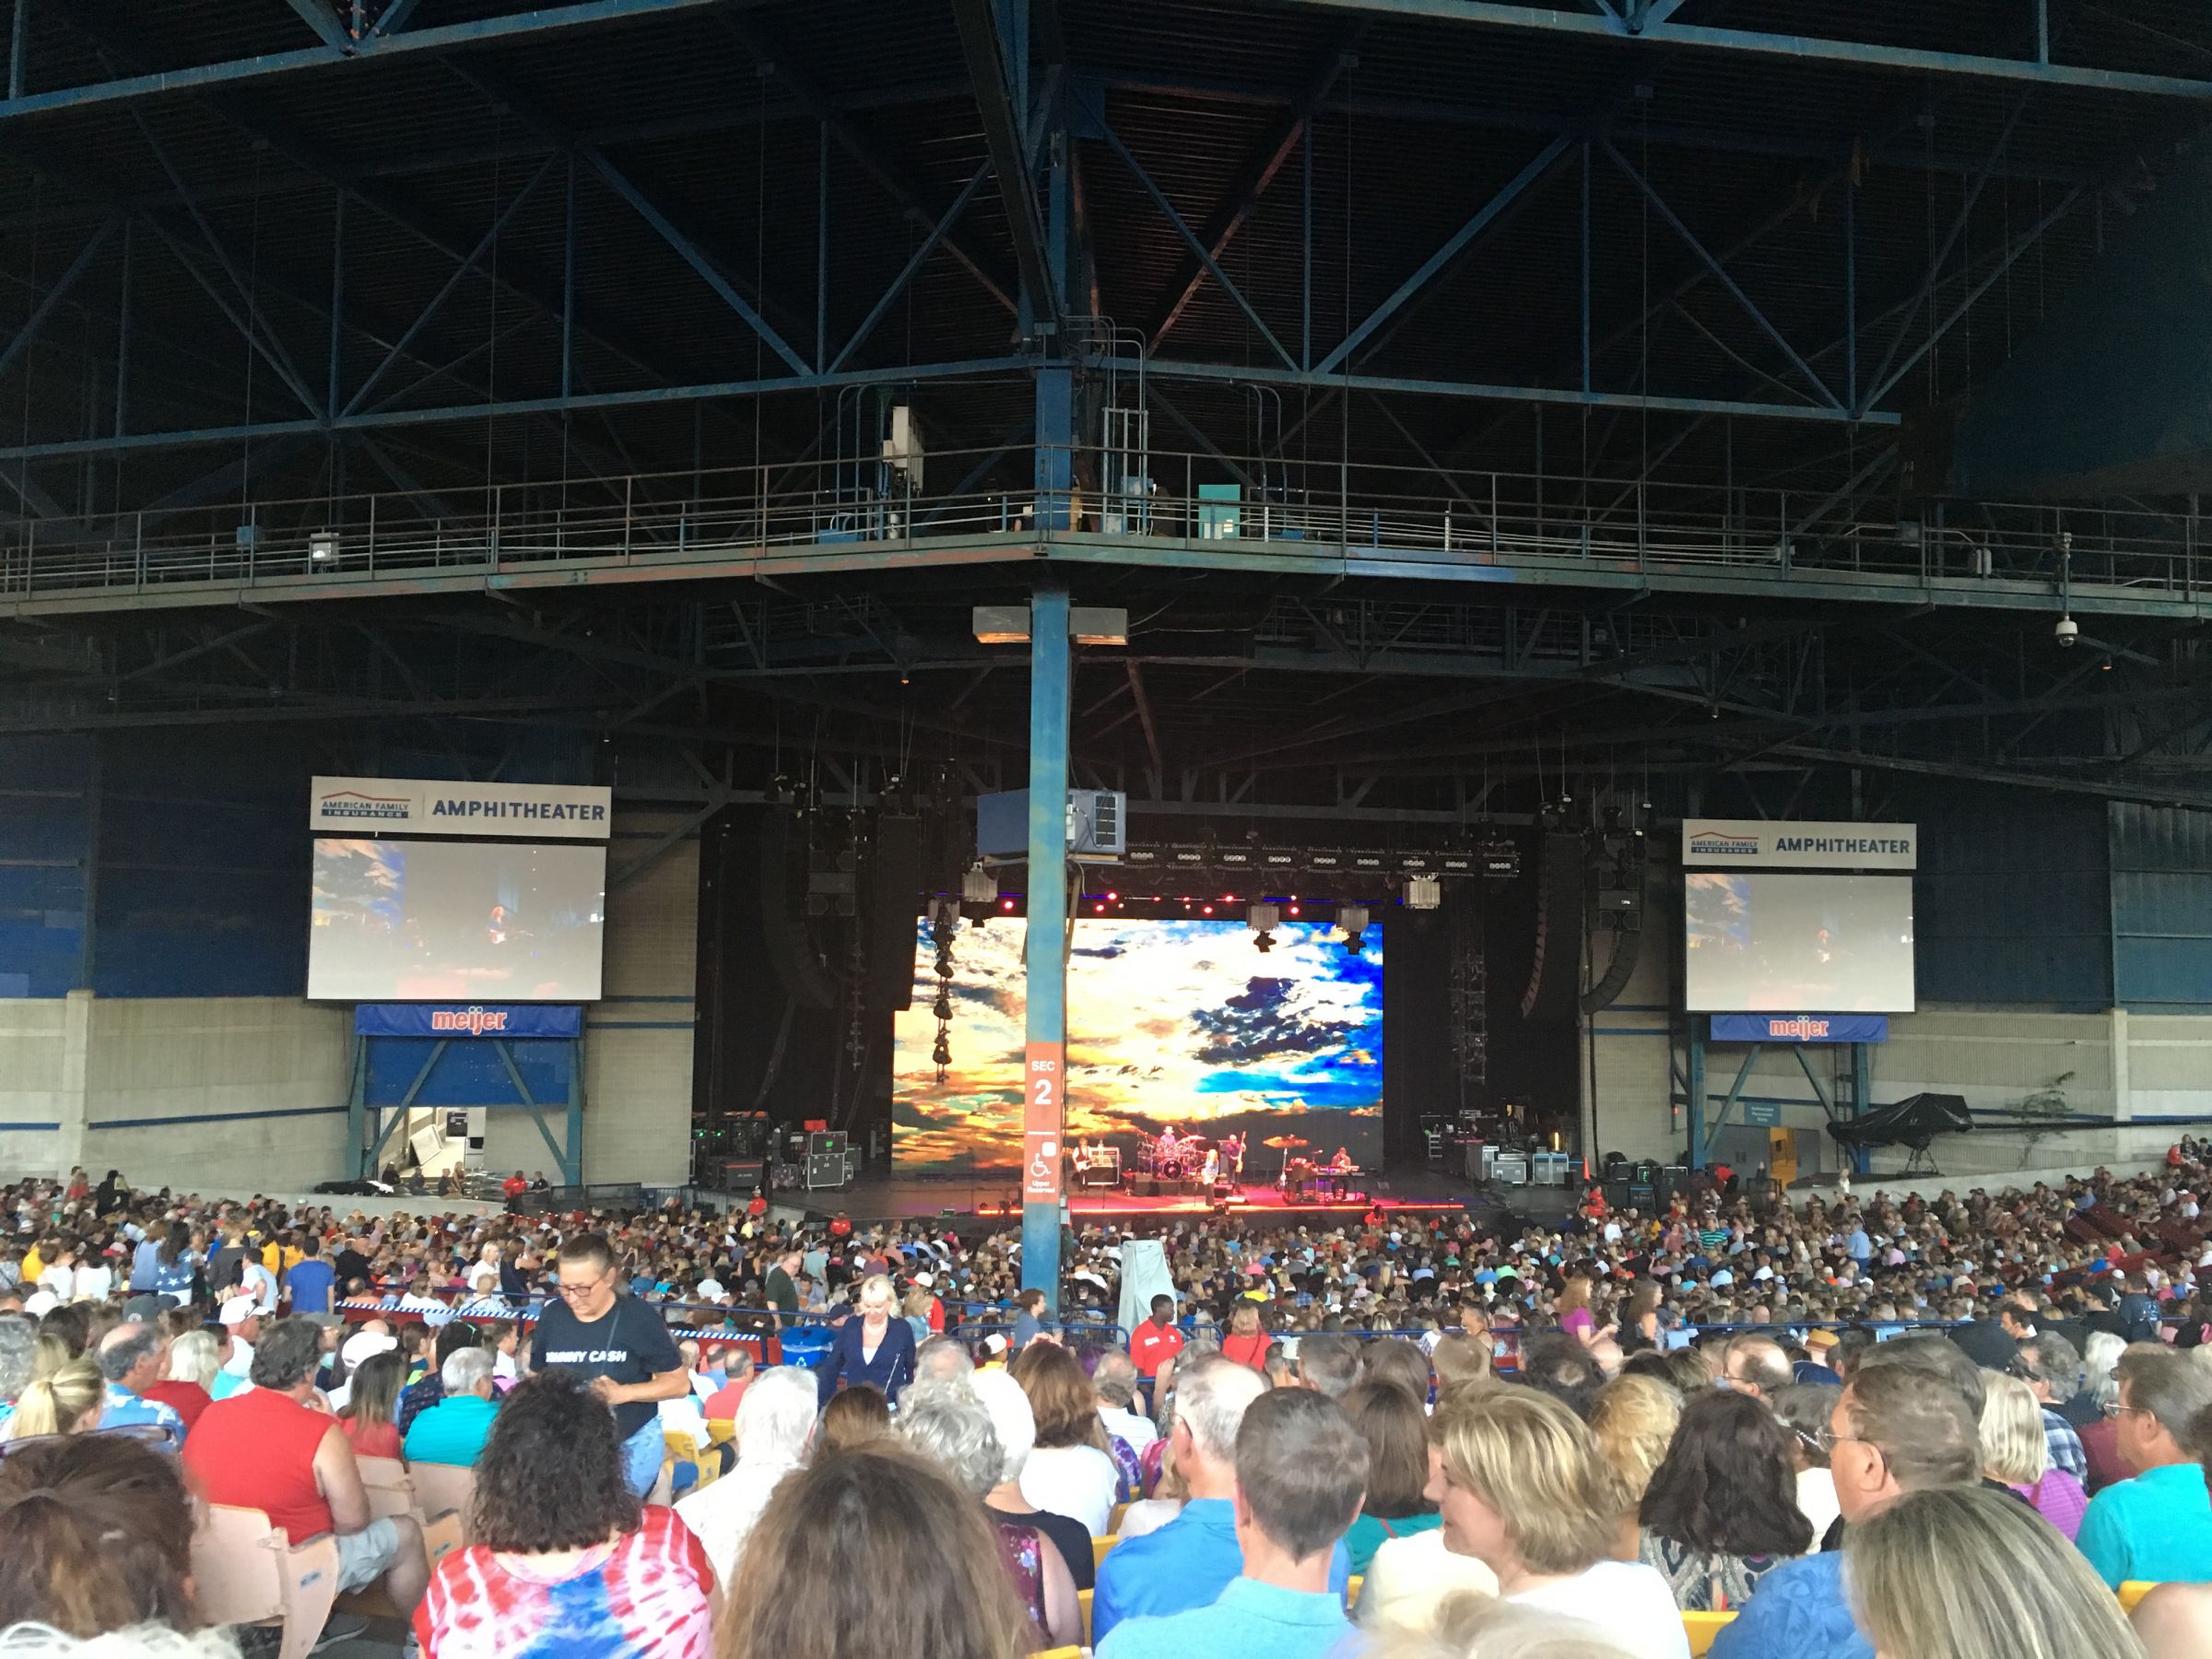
(2157, 1526)
(1896, 1429)
(618, 1343)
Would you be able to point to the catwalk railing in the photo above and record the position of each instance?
(1218, 509)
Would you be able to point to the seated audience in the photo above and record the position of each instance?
(369, 1418)
(1300, 1471)
(133, 1358)
(67, 1400)
(1328, 1363)
(1804, 1409)
(565, 1560)
(2100, 1351)
(2016, 1452)
(1015, 1427)
(1524, 1489)
(19, 1356)
(1956, 1572)
(1069, 1471)
(193, 1359)
(269, 1449)
(737, 1370)
(95, 1537)
(1396, 1435)
(1562, 1369)
(858, 1413)
(2048, 1364)
(1246, 1342)
(775, 1426)
(454, 1431)
(1633, 1419)
(1113, 1379)
(2157, 1524)
(455, 1338)
(1188, 1562)
(1756, 1365)
(893, 1559)
(1395, 1360)
(1894, 1428)
(1473, 1625)
(947, 1423)
(1722, 1510)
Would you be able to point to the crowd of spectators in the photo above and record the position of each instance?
(1922, 1428)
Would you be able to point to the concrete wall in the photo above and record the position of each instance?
(186, 1091)
(42, 1085)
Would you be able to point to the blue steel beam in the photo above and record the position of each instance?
(1720, 273)
(317, 16)
(1537, 167)
(1770, 46)
(988, 69)
(542, 23)
(484, 244)
(930, 243)
(1204, 255)
(2026, 241)
(394, 18)
(1254, 178)
(771, 54)
(534, 113)
(1172, 369)
(370, 421)
(54, 295)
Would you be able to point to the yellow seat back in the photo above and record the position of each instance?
(1704, 1630)
(2134, 1591)
(1099, 1547)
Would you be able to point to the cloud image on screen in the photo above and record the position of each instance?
(455, 921)
(1170, 1023)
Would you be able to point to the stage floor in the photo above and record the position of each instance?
(901, 1195)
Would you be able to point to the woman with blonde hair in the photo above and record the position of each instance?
(1633, 1419)
(2016, 1451)
(1472, 1625)
(1523, 1489)
(194, 1358)
(66, 1401)
(876, 1347)
(1247, 1341)
(1962, 1572)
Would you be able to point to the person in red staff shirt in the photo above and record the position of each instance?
(841, 1226)
(1154, 1344)
(514, 1186)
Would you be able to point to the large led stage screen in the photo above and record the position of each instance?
(421, 921)
(1182, 1024)
(1798, 944)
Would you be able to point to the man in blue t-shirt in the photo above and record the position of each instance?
(310, 1281)
(2157, 1526)
(1283, 1602)
(1191, 1561)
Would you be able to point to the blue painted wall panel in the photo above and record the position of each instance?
(2162, 906)
(43, 786)
(2010, 905)
(468, 1073)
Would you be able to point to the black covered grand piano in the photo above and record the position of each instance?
(1913, 1123)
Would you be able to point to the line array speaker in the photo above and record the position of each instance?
(1552, 987)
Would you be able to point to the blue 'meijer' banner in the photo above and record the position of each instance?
(1801, 1028)
(469, 1019)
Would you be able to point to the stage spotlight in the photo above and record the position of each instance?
(1263, 919)
(1353, 919)
(978, 886)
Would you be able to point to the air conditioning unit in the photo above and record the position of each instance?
(1098, 822)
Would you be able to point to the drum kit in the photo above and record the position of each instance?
(1191, 1157)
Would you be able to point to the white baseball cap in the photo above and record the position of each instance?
(237, 1311)
(364, 1346)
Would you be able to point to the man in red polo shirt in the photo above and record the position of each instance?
(275, 1448)
(1153, 1344)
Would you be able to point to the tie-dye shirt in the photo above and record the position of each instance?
(643, 1597)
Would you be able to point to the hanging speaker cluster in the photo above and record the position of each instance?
(1552, 977)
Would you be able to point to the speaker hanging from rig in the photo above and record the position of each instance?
(1553, 977)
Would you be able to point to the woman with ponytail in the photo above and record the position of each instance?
(67, 1400)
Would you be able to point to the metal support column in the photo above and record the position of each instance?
(572, 1167)
(357, 1112)
(1693, 1116)
(1861, 1086)
(1046, 959)
(1735, 1090)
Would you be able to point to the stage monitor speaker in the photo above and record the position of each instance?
(894, 903)
(826, 1143)
(1553, 976)
(742, 1174)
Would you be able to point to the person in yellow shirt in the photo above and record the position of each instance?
(34, 1264)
